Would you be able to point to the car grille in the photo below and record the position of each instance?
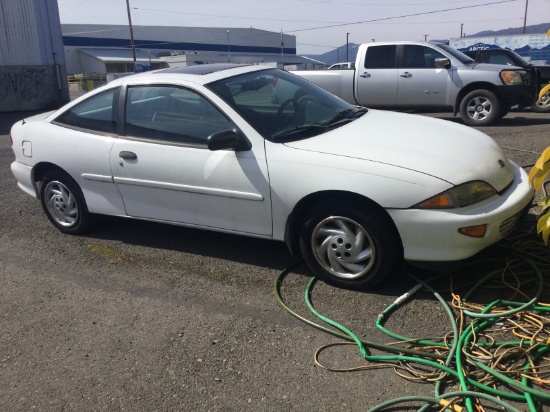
(509, 224)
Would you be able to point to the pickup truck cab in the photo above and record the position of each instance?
(511, 58)
(423, 75)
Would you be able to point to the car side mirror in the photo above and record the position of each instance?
(442, 63)
(230, 139)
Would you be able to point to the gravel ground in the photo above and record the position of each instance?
(139, 316)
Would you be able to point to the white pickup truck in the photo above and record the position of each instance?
(423, 75)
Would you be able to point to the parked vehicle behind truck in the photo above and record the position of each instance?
(511, 58)
(422, 75)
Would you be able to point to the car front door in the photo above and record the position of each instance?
(376, 81)
(420, 82)
(165, 171)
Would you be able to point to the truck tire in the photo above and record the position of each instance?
(543, 104)
(480, 108)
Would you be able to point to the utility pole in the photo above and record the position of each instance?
(426, 37)
(131, 33)
(525, 17)
(228, 50)
(461, 27)
(347, 47)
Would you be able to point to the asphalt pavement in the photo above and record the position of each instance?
(137, 316)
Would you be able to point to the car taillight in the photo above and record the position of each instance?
(11, 140)
(274, 81)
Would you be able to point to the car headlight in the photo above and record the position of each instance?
(459, 196)
(511, 78)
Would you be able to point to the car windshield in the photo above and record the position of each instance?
(282, 106)
(455, 53)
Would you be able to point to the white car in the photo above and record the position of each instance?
(353, 190)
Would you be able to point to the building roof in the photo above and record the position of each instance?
(113, 55)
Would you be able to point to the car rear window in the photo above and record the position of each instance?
(98, 113)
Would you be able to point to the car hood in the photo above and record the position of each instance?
(439, 148)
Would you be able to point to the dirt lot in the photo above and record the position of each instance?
(140, 316)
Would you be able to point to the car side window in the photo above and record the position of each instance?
(419, 57)
(98, 113)
(380, 57)
(172, 114)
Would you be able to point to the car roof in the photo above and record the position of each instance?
(199, 74)
(201, 69)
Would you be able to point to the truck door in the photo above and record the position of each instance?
(420, 83)
(376, 81)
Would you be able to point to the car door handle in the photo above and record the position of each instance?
(128, 155)
(406, 74)
(365, 75)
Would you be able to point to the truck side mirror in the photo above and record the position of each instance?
(442, 63)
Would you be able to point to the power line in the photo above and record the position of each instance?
(233, 16)
(402, 16)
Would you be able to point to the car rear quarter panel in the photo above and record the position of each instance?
(84, 156)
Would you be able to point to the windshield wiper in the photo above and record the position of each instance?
(306, 127)
(345, 115)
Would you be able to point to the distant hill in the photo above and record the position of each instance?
(537, 28)
(339, 54)
(336, 55)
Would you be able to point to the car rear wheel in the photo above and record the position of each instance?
(480, 108)
(64, 204)
(348, 247)
(543, 104)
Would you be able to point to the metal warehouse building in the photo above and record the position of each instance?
(32, 61)
(108, 48)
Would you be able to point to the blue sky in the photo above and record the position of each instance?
(319, 25)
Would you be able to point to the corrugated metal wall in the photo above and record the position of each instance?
(32, 61)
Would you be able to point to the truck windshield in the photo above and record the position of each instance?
(524, 63)
(455, 53)
(282, 106)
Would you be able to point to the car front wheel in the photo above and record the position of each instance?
(348, 247)
(480, 108)
(64, 204)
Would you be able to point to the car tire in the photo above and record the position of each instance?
(542, 105)
(480, 108)
(348, 247)
(64, 204)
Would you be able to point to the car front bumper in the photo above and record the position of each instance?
(432, 235)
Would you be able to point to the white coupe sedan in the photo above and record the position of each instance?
(353, 190)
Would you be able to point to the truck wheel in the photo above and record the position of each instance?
(480, 108)
(349, 247)
(543, 104)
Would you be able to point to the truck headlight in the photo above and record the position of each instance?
(510, 77)
(459, 196)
